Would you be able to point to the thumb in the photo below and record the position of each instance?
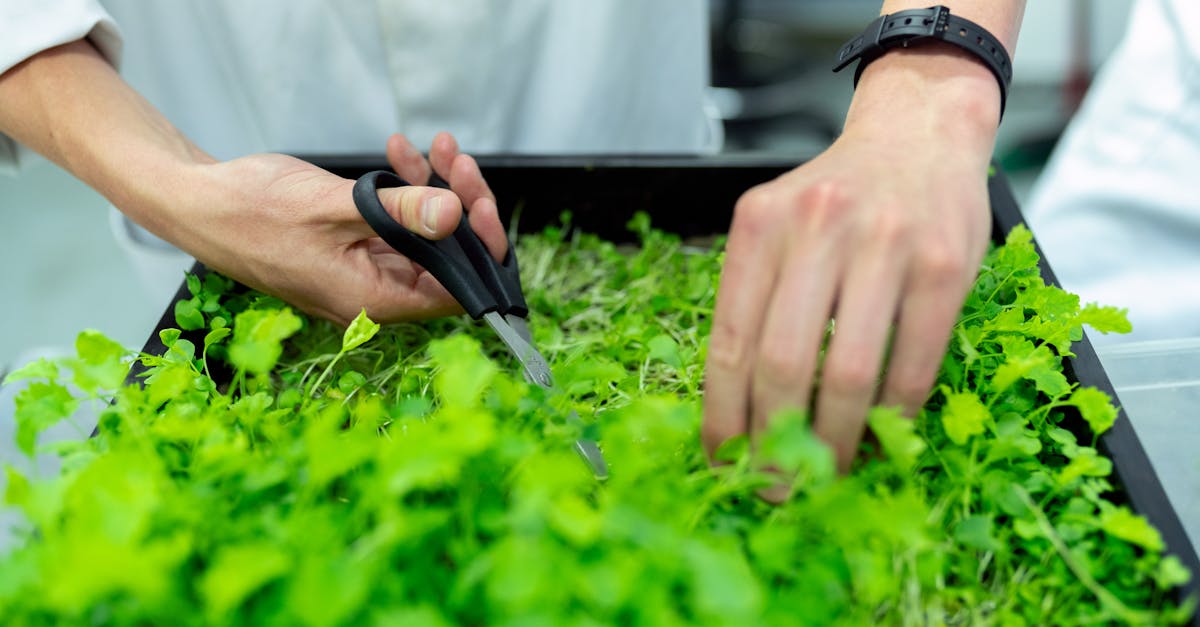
(430, 212)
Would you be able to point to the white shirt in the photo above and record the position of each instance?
(324, 77)
(1117, 209)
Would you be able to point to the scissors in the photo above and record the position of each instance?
(485, 288)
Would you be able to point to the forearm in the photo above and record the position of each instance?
(939, 84)
(68, 104)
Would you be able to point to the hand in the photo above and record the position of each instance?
(882, 233)
(275, 223)
(290, 229)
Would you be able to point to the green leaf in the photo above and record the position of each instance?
(169, 336)
(351, 381)
(789, 445)
(897, 435)
(639, 224)
(100, 363)
(181, 352)
(215, 336)
(38, 407)
(38, 369)
(1105, 319)
(963, 416)
(324, 590)
(168, 382)
(193, 283)
(463, 370)
(664, 348)
(1095, 407)
(1171, 572)
(724, 586)
(1024, 361)
(977, 532)
(236, 572)
(414, 616)
(1121, 523)
(359, 331)
(1085, 462)
(17, 491)
(187, 314)
(589, 373)
(733, 449)
(258, 336)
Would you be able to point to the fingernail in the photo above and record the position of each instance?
(429, 213)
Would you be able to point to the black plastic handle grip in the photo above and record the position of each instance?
(460, 262)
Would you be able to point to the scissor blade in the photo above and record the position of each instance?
(520, 326)
(590, 451)
(537, 371)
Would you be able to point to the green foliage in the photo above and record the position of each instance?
(257, 337)
(407, 475)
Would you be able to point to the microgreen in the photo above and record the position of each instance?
(290, 472)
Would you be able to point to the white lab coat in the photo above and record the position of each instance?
(323, 77)
(1117, 209)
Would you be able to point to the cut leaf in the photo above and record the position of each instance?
(359, 331)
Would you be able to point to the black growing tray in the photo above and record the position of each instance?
(694, 196)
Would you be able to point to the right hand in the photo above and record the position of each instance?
(883, 232)
(290, 229)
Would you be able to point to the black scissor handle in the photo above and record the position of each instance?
(460, 262)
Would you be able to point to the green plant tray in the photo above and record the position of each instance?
(694, 197)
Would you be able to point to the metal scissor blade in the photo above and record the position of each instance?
(515, 334)
(536, 369)
(520, 326)
(590, 451)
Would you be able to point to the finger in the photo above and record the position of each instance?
(791, 338)
(407, 161)
(927, 315)
(430, 212)
(866, 308)
(467, 180)
(442, 153)
(747, 279)
(484, 218)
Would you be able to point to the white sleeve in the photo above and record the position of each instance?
(28, 27)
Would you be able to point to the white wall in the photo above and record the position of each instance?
(1044, 47)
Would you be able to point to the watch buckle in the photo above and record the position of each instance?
(939, 21)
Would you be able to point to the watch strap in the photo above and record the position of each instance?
(914, 26)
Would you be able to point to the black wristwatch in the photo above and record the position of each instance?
(906, 28)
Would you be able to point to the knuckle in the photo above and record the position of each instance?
(891, 228)
(779, 367)
(823, 193)
(821, 204)
(909, 389)
(752, 213)
(397, 203)
(728, 349)
(849, 377)
(941, 263)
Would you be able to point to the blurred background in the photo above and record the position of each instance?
(64, 270)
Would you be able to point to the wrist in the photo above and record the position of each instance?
(934, 86)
